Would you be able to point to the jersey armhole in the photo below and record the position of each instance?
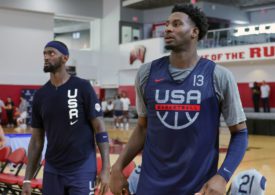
(146, 84)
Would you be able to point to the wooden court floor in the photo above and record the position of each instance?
(259, 155)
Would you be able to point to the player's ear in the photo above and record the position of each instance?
(65, 58)
(195, 32)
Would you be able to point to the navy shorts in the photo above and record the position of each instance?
(118, 113)
(69, 183)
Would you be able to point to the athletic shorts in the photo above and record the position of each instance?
(69, 183)
(118, 113)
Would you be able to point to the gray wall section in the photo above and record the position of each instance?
(223, 12)
(157, 15)
(81, 8)
(147, 31)
(23, 36)
(210, 9)
(109, 63)
(262, 16)
(145, 16)
(83, 42)
(127, 15)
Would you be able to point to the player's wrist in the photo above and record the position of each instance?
(106, 167)
(102, 137)
(116, 167)
(222, 179)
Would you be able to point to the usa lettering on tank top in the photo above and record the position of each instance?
(181, 147)
(72, 105)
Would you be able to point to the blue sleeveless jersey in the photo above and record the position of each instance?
(181, 148)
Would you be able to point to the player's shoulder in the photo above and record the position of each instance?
(42, 92)
(43, 89)
(222, 70)
(143, 72)
(163, 61)
(147, 66)
(80, 82)
(144, 68)
(78, 79)
(222, 73)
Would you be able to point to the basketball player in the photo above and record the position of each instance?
(67, 110)
(125, 108)
(179, 101)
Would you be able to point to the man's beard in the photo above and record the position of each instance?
(52, 68)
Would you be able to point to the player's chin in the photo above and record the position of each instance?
(48, 69)
(168, 46)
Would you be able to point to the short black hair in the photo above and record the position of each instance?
(196, 15)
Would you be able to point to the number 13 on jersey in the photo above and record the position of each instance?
(198, 80)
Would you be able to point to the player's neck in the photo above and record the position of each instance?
(184, 59)
(59, 78)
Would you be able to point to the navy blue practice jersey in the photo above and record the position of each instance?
(181, 147)
(65, 112)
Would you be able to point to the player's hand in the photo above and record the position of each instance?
(215, 186)
(118, 182)
(104, 181)
(26, 190)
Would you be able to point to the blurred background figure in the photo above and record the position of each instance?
(265, 91)
(256, 96)
(9, 107)
(2, 106)
(104, 106)
(23, 114)
(125, 108)
(118, 114)
(109, 108)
